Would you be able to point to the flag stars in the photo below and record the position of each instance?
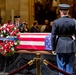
(46, 46)
(49, 38)
(48, 42)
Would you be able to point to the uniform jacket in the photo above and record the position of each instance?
(19, 26)
(62, 31)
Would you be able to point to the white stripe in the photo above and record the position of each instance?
(32, 36)
(32, 43)
(34, 33)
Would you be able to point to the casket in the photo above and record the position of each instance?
(34, 42)
(31, 42)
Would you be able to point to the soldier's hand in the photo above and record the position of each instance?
(53, 52)
(73, 37)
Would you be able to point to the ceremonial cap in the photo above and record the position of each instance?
(64, 6)
(16, 16)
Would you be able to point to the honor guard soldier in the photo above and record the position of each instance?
(62, 42)
(17, 23)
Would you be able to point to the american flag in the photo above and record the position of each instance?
(35, 41)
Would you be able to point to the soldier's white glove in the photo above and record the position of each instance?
(73, 37)
(53, 52)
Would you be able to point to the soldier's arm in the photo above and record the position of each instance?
(53, 36)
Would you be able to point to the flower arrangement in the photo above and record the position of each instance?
(8, 39)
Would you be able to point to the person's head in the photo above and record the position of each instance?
(64, 9)
(25, 24)
(51, 23)
(35, 23)
(46, 22)
(17, 18)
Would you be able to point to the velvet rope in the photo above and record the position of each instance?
(18, 70)
(21, 68)
(54, 67)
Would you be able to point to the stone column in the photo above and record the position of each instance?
(2, 10)
(24, 10)
(27, 11)
(9, 6)
(31, 10)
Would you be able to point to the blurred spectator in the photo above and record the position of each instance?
(26, 29)
(17, 23)
(48, 27)
(35, 27)
(44, 26)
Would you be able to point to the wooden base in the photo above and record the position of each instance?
(34, 52)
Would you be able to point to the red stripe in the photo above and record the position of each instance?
(30, 47)
(31, 39)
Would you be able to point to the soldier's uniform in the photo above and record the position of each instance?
(18, 24)
(62, 31)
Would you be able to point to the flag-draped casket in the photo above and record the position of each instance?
(35, 41)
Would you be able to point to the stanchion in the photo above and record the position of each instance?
(38, 64)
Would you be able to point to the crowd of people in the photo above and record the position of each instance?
(23, 27)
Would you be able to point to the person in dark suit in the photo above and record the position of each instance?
(35, 28)
(17, 23)
(62, 41)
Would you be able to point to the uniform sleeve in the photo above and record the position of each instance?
(75, 28)
(53, 36)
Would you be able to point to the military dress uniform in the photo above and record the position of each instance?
(62, 42)
(18, 25)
